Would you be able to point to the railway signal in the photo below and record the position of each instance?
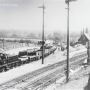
(67, 72)
(43, 7)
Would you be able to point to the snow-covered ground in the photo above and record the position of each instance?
(71, 85)
(76, 50)
(21, 70)
(78, 81)
(78, 78)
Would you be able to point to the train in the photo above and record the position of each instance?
(8, 62)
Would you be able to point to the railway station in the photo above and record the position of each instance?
(44, 45)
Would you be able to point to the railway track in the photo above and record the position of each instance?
(48, 79)
(25, 78)
(40, 83)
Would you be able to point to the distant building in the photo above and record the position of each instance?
(84, 38)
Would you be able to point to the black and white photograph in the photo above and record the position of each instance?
(44, 44)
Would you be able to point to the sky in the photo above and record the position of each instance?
(25, 15)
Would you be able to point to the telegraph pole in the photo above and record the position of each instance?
(43, 7)
(67, 74)
(67, 71)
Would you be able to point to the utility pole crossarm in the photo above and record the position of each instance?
(67, 1)
(43, 7)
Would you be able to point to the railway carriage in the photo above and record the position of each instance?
(25, 56)
(34, 55)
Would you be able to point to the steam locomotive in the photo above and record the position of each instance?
(10, 61)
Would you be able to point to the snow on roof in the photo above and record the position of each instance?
(1, 50)
(87, 36)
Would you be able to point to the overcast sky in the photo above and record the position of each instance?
(25, 15)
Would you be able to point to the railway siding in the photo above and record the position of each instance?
(28, 76)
